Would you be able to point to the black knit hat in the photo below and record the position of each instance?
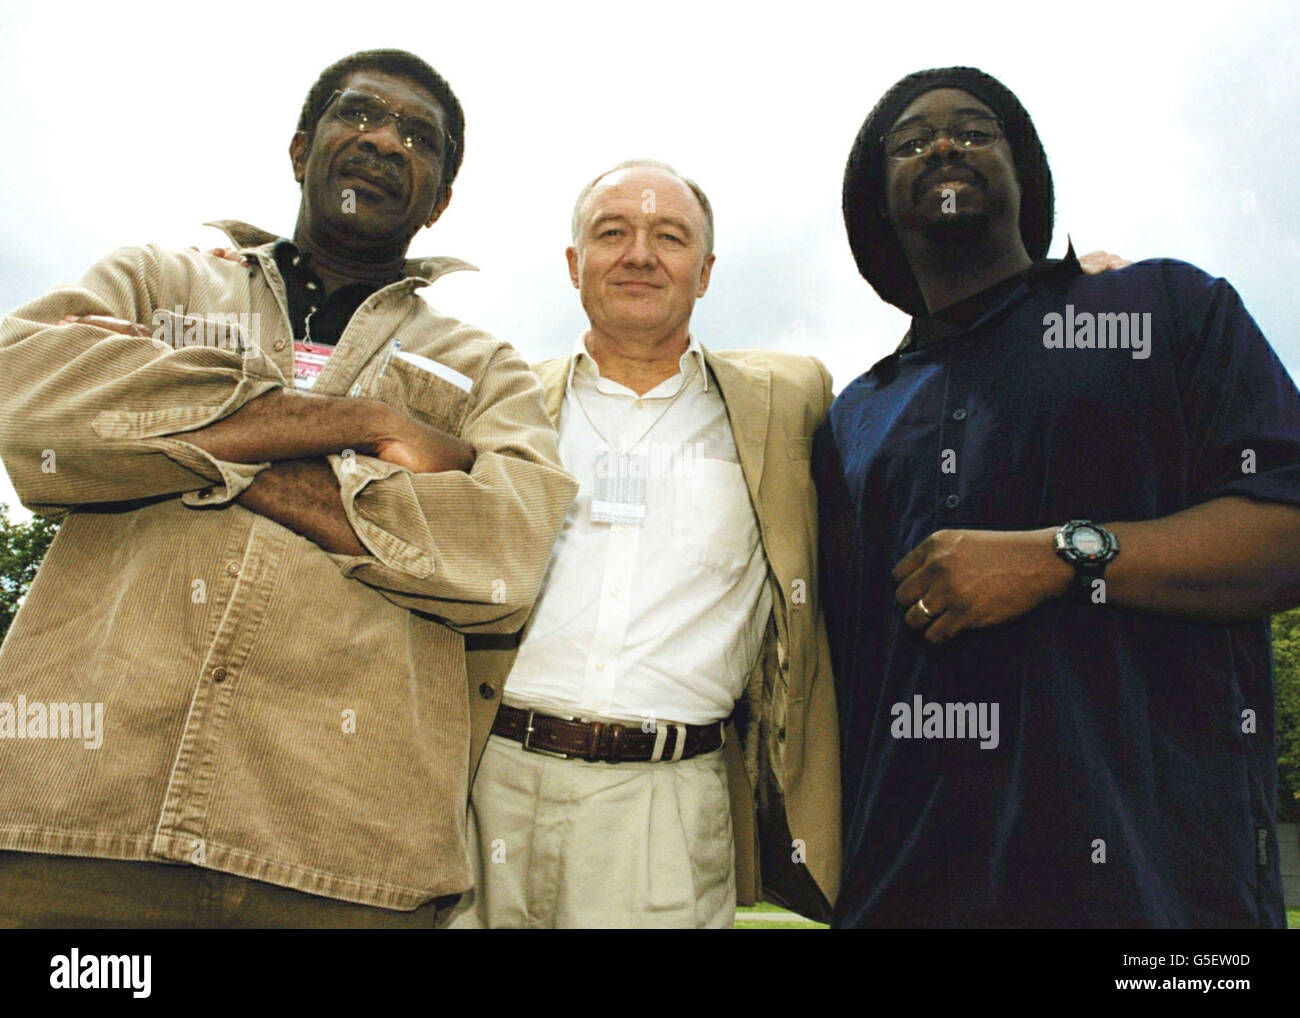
(875, 246)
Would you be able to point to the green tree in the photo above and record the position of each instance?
(22, 546)
(1286, 670)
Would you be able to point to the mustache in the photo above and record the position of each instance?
(947, 170)
(386, 175)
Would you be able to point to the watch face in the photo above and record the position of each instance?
(1088, 541)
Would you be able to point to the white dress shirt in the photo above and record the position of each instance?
(663, 618)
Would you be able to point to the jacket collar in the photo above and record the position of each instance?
(554, 373)
(419, 271)
(746, 390)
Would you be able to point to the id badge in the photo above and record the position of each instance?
(619, 495)
(308, 360)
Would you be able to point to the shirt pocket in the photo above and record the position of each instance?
(422, 395)
(713, 522)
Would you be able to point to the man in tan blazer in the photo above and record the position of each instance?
(679, 612)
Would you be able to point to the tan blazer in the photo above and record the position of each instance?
(782, 745)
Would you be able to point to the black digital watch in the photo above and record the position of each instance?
(1088, 547)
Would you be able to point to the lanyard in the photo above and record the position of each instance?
(653, 424)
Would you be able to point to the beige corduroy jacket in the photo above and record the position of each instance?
(269, 709)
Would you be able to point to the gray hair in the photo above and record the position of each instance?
(651, 164)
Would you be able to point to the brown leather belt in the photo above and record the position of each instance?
(606, 741)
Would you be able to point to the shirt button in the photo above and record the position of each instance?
(232, 568)
(486, 691)
(615, 592)
(310, 285)
(952, 501)
(959, 414)
(639, 404)
(312, 309)
(278, 345)
(600, 666)
(218, 674)
(296, 259)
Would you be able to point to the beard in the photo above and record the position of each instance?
(956, 231)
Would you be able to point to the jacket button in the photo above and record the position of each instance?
(959, 414)
(781, 734)
(232, 568)
(486, 691)
(218, 674)
(952, 501)
(278, 345)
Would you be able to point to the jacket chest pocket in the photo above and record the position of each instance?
(713, 522)
(421, 394)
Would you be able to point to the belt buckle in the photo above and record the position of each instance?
(528, 734)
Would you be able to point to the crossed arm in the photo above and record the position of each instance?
(294, 431)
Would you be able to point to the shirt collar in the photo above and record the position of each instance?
(925, 331)
(691, 359)
(419, 271)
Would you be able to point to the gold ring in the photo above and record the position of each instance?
(920, 603)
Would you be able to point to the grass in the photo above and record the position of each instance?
(745, 923)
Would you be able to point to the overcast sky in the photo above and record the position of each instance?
(1170, 132)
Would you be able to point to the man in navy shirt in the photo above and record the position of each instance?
(1055, 521)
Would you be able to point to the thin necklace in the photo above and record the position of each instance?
(628, 451)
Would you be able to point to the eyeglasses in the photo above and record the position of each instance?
(915, 140)
(362, 111)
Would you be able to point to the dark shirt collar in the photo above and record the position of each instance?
(314, 314)
(292, 260)
(965, 315)
(419, 271)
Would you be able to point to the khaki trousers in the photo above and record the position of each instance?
(569, 843)
(72, 892)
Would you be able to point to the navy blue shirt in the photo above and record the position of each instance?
(1122, 785)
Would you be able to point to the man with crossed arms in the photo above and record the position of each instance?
(269, 590)
(676, 614)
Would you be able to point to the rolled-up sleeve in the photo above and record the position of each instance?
(467, 548)
(89, 416)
